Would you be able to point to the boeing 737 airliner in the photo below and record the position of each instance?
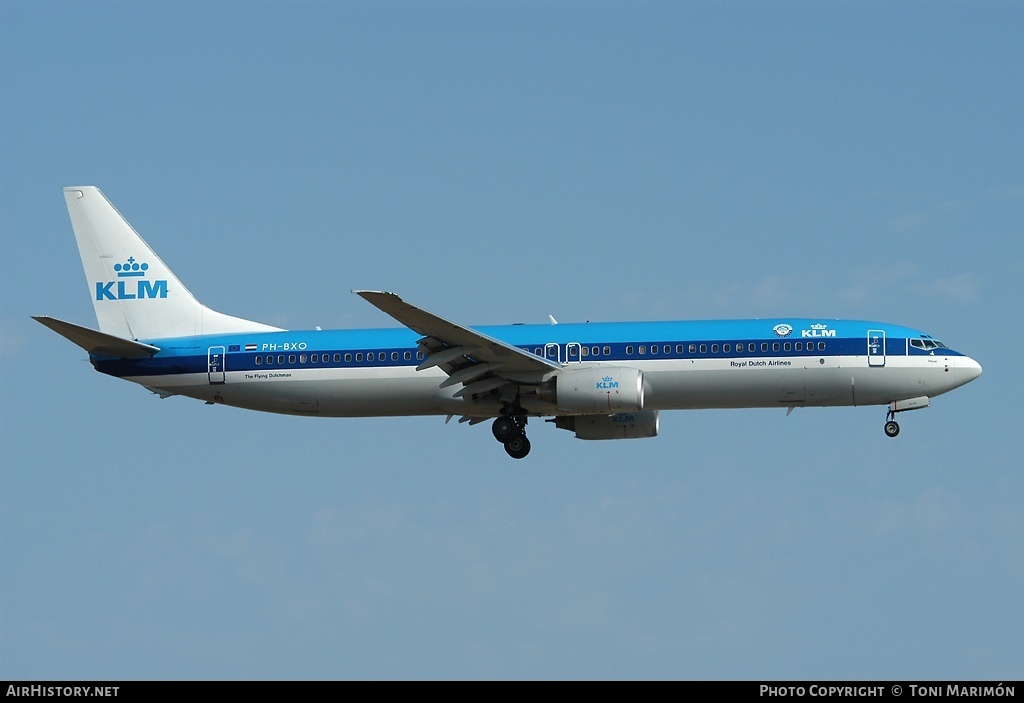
(599, 380)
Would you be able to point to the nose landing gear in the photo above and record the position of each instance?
(892, 428)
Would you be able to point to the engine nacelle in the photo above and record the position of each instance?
(635, 425)
(598, 389)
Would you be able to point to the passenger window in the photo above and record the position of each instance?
(316, 358)
(642, 349)
(337, 357)
(714, 348)
(680, 349)
(821, 346)
(280, 358)
(348, 358)
(654, 348)
(419, 356)
(764, 346)
(302, 358)
(259, 360)
(727, 348)
(776, 346)
(703, 348)
(629, 350)
(359, 356)
(799, 346)
(693, 348)
(291, 358)
(751, 347)
(394, 356)
(786, 346)
(607, 351)
(407, 356)
(584, 351)
(667, 349)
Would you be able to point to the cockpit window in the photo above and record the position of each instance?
(927, 343)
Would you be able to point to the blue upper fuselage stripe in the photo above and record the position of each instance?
(584, 333)
(622, 341)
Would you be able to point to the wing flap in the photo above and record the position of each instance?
(445, 356)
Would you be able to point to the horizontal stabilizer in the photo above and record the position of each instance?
(98, 343)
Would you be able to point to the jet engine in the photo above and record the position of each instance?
(596, 389)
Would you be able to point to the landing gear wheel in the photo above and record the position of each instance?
(504, 429)
(892, 428)
(518, 447)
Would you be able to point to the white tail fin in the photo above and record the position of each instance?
(135, 295)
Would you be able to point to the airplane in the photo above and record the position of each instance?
(601, 381)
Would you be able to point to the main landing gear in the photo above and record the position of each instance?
(892, 428)
(510, 430)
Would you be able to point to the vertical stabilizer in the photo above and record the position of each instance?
(135, 294)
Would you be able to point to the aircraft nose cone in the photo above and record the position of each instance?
(967, 369)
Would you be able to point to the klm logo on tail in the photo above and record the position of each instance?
(123, 290)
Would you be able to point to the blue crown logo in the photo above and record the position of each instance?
(607, 379)
(131, 268)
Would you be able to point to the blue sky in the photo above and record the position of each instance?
(495, 163)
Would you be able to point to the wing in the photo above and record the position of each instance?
(479, 362)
